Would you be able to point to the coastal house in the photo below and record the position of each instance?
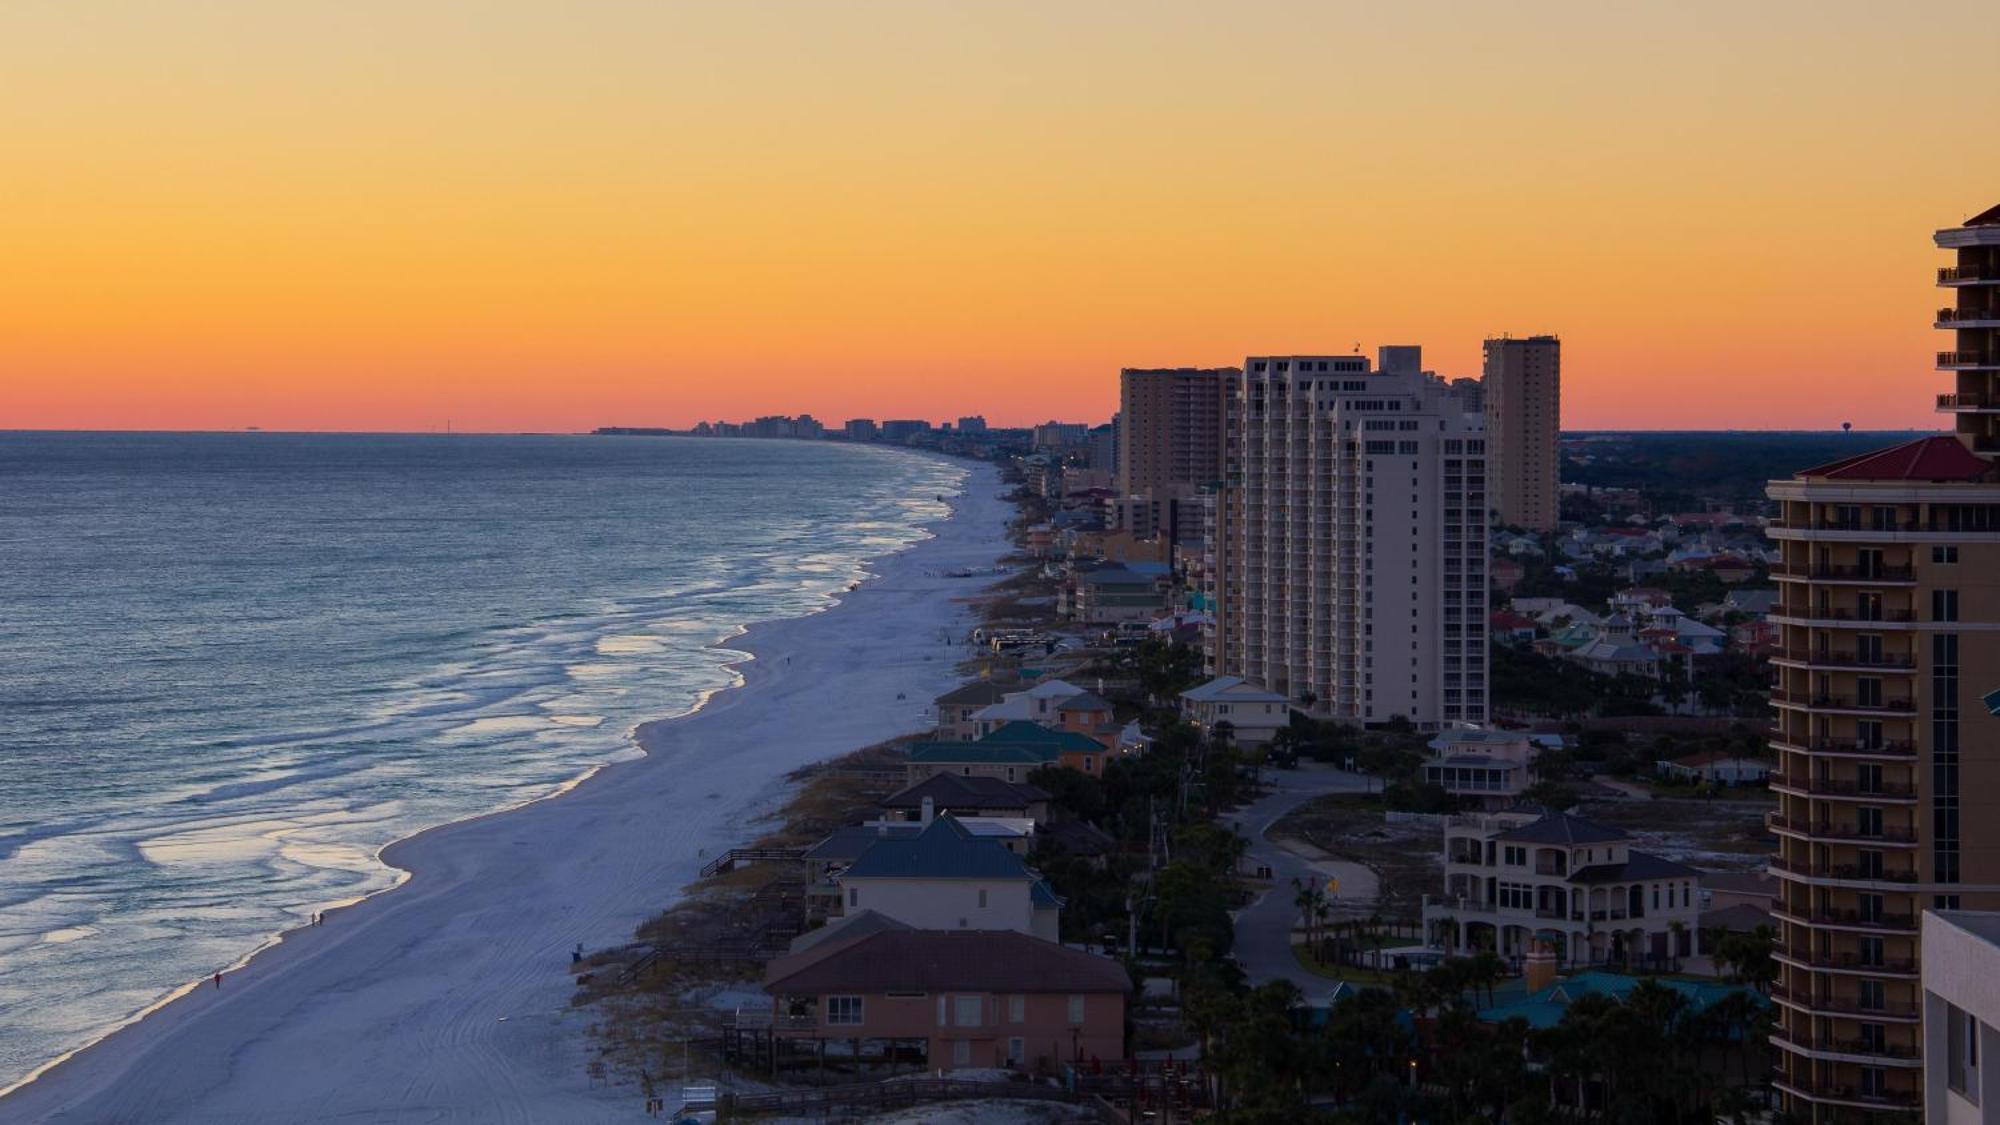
(1525, 874)
(1511, 629)
(956, 707)
(1135, 592)
(1254, 715)
(1715, 768)
(973, 998)
(1489, 766)
(944, 878)
(962, 796)
(1009, 753)
(1034, 704)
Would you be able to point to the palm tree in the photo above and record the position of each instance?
(1308, 898)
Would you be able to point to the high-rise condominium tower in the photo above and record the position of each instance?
(1890, 625)
(1171, 426)
(1347, 545)
(1523, 393)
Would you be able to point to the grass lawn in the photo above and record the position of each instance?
(1347, 973)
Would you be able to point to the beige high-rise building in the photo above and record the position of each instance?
(1890, 632)
(1523, 402)
(1171, 426)
(1346, 550)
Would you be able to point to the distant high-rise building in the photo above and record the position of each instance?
(1104, 446)
(900, 430)
(1889, 627)
(1523, 393)
(1345, 552)
(1472, 393)
(861, 429)
(1171, 426)
(1060, 435)
(972, 424)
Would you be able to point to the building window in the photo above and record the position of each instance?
(1076, 1009)
(853, 896)
(1017, 1008)
(1944, 605)
(967, 1011)
(1961, 1071)
(843, 1011)
(1944, 554)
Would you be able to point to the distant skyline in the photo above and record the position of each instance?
(528, 217)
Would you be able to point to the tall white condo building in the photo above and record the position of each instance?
(1347, 545)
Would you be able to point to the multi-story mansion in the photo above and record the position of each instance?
(1580, 887)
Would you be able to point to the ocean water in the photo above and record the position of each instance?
(234, 666)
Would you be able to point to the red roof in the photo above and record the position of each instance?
(1505, 619)
(1940, 457)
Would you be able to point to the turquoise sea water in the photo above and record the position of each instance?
(233, 667)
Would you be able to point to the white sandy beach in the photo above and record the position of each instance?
(447, 999)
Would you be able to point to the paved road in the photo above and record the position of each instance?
(1264, 928)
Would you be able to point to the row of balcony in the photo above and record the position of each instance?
(1841, 832)
(1828, 573)
(1845, 962)
(1957, 360)
(1826, 702)
(1842, 1045)
(1967, 402)
(1837, 613)
(1959, 275)
(1831, 659)
(1799, 998)
(1852, 919)
(1846, 872)
(1846, 1094)
(1860, 748)
(1948, 317)
(1841, 787)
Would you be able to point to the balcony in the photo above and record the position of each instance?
(1967, 403)
(1967, 275)
(1966, 361)
(1967, 318)
(1838, 833)
(1847, 747)
(1847, 919)
(1840, 872)
(1834, 613)
(1818, 702)
(1891, 1053)
(1845, 962)
(1846, 1095)
(1838, 787)
(1843, 1005)
(1825, 573)
(1829, 659)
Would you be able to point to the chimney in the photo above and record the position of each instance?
(1538, 969)
(930, 810)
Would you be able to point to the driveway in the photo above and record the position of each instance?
(1264, 928)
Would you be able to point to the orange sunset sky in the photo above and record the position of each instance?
(553, 216)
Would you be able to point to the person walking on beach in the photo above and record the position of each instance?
(218, 979)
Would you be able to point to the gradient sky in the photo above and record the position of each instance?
(552, 216)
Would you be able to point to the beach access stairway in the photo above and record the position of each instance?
(727, 861)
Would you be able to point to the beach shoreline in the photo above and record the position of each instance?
(445, 995)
